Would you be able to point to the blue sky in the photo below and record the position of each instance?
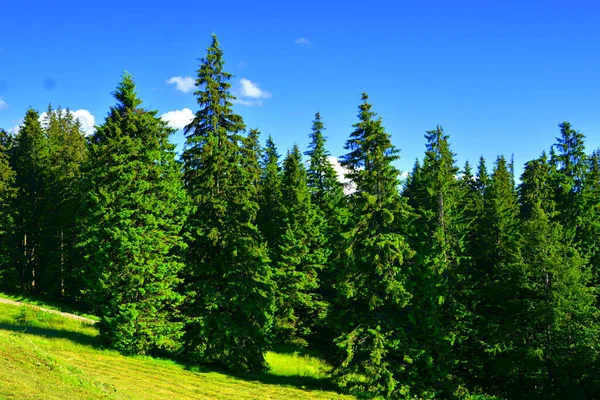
(497, 75)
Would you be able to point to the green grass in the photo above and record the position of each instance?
(58, 306)
(47, 356)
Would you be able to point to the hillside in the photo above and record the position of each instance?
(46, 355)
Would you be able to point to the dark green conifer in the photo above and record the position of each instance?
(30, 159)
(270, 212)
(131, 235)
(373, 338)
(553, 326)
(299, 256)
(440, 305)
(535, 189)
(67, 153)
(329, 201)
(7, 224)
(229, 282)
(498, 262)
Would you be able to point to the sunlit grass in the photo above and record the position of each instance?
(34, 301)
(296, 364)
(47, 356)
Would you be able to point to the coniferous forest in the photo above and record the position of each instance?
(455, 282)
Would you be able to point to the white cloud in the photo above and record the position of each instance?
(178, 119)
(3, 104)
(249, 103)
(250, 94)
(184, 84)
(302, 42)
(341, 172)
(14, 130)
(251, 89)
(86, 119)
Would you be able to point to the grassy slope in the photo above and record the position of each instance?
(47, 356)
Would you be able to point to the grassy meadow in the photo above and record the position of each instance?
(47, 356)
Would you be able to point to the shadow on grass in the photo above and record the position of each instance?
(63, 305)
(299, 382)
(76, 337)
(296, 381)
(296, 349)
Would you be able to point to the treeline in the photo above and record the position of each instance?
(454, 283)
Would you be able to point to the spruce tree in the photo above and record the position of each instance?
(7, 194)
(554, 326)
(131, 234)
(498, 262)
(438, 237)
(270, 210)
(326, 189)
(229, 282)
(373, 339)
(535, 189)
(29, 156)
(252, 154)
(66, 143)
(569, 159)
(591, 227)
(327, 196)
(298, 257)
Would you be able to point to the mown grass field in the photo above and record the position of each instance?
(47, 356)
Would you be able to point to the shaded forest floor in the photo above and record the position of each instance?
(44, 354)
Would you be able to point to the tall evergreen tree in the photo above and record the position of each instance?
(30, 159)
(483, 178)
(270, 210)
(569, 159)
(7, 194)
(327, 191)
(66, 143)
(591, 229)
(228, 277)
(439, 305)
(131, 236)
(535, 189)
(299, 256)
(373, 339)
(329, 201)
(252, 154)
(553, 328)
(498, 262)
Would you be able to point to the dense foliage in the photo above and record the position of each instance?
(454, 283)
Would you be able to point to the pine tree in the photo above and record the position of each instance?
(439, 305)
(554, 326)
(483, 178)
(569, 159)
(131, 236)
(66, 144)
(471, 202)
(536, 188)
(252, 154)
(270, 210)
(228, 277)
(498, 262)
(298, 257)
(373, 341)
(327, 191)
(7, 195)
(30, 159)
(591, 228)
(329, 201)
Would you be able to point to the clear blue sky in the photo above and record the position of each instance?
(497, 75)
